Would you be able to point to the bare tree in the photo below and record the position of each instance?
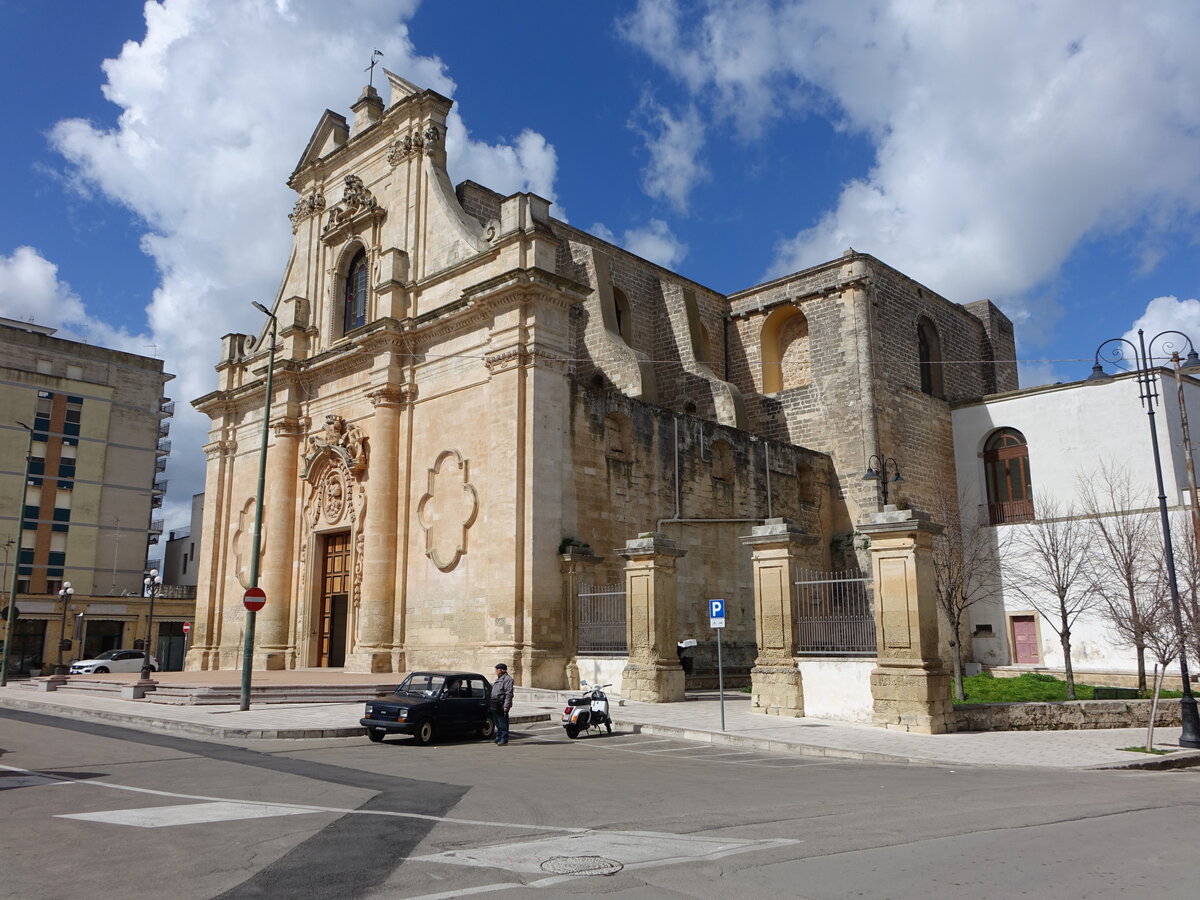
(966, 566)
(1051, 563)
(1124, 554)
(1187, 568)
(1160, 633)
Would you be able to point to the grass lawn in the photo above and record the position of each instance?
(1031, 687)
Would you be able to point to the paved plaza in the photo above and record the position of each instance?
(699, 718)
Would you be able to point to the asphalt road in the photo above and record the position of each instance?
(98, 811)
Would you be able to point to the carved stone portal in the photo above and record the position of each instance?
(447, 510)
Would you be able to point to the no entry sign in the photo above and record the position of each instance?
(187, 626)
(255, 599)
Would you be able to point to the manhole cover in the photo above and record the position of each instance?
(581, 865)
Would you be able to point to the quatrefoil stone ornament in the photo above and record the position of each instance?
(447, 510)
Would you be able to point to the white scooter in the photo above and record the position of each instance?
(588, 711)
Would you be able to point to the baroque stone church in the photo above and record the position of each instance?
(476, 406)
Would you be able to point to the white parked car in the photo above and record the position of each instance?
(113, 661)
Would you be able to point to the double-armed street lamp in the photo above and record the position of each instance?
(1121, 349)
(877, 470)
(256, 544)
(152, 584)
(64, 594)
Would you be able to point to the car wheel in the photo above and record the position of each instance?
(572, 731)
(424, 733)
(375, 735)
(100, 670)
(487, 729)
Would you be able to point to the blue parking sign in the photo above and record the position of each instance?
(716, 613)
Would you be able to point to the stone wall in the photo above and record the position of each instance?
(624, 485)
(1065, 715)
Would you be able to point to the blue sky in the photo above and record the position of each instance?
(1043, 154)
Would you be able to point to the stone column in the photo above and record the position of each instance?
(278, 558)
(910, 684)
(779, 549)
(653, 673)
(376, 612)
(577, 563)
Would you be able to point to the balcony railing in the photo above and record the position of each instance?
(1010, 512)
(164, 446)
(168, 408)
(160, 485)
(156, 526)
(164, 428)
(160, 464)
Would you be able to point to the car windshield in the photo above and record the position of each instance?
(421, 684)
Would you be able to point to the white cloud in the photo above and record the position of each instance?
(1167, 314)
(30, 291)
(217, 103)
(674, 142)
(1004, 133)
(654, 241)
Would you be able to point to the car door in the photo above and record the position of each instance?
(455, 705)
(479, 710)
(128, 661)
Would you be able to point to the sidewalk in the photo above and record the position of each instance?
(697, 719)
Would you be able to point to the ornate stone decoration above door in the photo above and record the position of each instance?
(448, 510)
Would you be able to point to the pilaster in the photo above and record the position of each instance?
(282, 481)
(909, 684)
(779, 549)
(653, 673)
(376, 614)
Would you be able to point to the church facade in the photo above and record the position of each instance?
(475, 404)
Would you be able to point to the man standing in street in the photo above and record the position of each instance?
(502, 700)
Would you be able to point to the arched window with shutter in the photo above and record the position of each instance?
(355, 299)
(1006, 470)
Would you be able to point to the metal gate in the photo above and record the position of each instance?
(833, 614)
(600, 628)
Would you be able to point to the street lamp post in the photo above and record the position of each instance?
(16, 571)
(877, 470)
(7, 546)
(1147, 379)
(152, 584)
(65, 596)
(256, 544)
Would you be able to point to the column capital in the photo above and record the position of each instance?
(391, 394)
(649, 544)
(288, 427)
(898, 521)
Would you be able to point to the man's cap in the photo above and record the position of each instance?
(503, 666)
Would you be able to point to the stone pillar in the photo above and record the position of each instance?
(779, 549)
(910, 684)
(376, 613)
(577, 562)
(278, 557)
(653, 673)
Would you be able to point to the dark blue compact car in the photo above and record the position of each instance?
(429, 704)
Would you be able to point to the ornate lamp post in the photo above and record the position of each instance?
(16, 572)
(64, 595)
(153, 585)
(256, 545)
(877, 470)
(1147, 379)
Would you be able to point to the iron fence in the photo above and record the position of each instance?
(833, 614)
(600, 621)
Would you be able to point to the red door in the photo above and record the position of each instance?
(1025, 641)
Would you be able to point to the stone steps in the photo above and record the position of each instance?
(214, 695)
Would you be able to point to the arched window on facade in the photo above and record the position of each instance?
(622, 315)
(1006, 471)
(354, 305)
(785, 350)
(929, 355)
